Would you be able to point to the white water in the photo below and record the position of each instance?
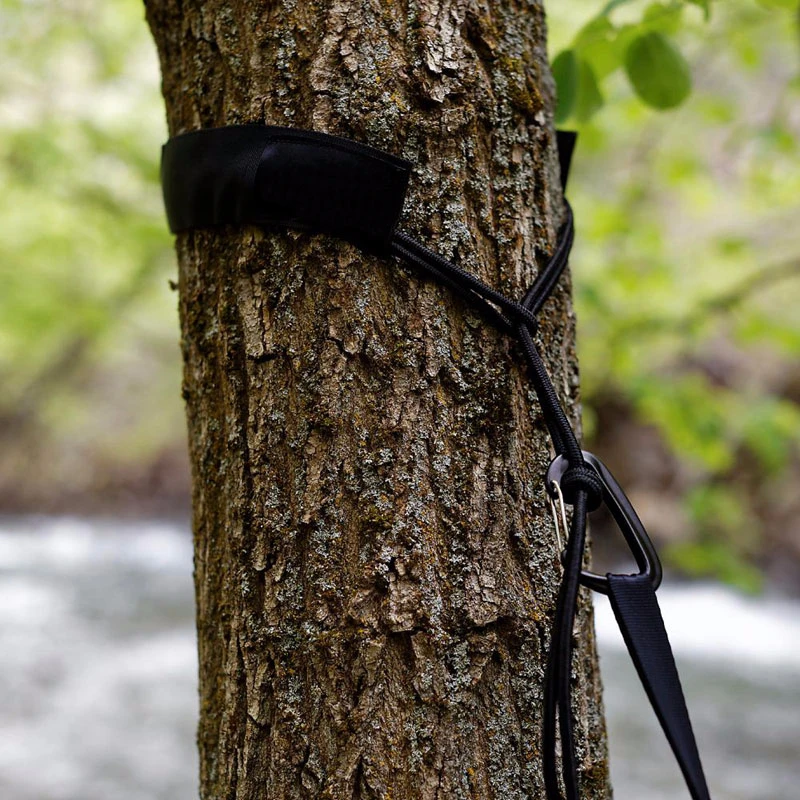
(713, 624)
(97, 674)
(739, 660)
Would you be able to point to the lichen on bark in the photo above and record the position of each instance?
(376, 570)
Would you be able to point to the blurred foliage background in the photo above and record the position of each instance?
(687, 268)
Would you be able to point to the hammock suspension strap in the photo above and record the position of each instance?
(306, 180)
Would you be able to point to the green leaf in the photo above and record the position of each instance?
(589, 99)
(703, 4)
(579, 93)
(611, 5)
(566, 72)
(598, 42)
(596, 28)
(663, 17)
(657, 71)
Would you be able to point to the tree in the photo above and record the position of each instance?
(376, 569)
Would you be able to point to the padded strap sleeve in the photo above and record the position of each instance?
(269, 175)
(639, 616)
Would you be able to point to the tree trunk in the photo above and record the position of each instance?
(376, 568)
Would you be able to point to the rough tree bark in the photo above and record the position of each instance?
(376, 570)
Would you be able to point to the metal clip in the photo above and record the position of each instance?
(614, 499)
(555, 495)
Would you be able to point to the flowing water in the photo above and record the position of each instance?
(98, 671)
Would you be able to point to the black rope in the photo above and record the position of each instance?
(516, 319)
(465, 283)
(557, 695)
(581, 485)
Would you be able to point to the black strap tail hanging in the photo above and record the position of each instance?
(310, 181)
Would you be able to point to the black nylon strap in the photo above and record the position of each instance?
(639, 616)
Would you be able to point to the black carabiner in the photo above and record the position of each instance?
(614, 499)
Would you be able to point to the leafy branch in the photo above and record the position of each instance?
(644, 50)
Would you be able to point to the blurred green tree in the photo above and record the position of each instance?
(89, 362)
(687, 264)
(686, 190)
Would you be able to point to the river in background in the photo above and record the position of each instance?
(98, 673)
